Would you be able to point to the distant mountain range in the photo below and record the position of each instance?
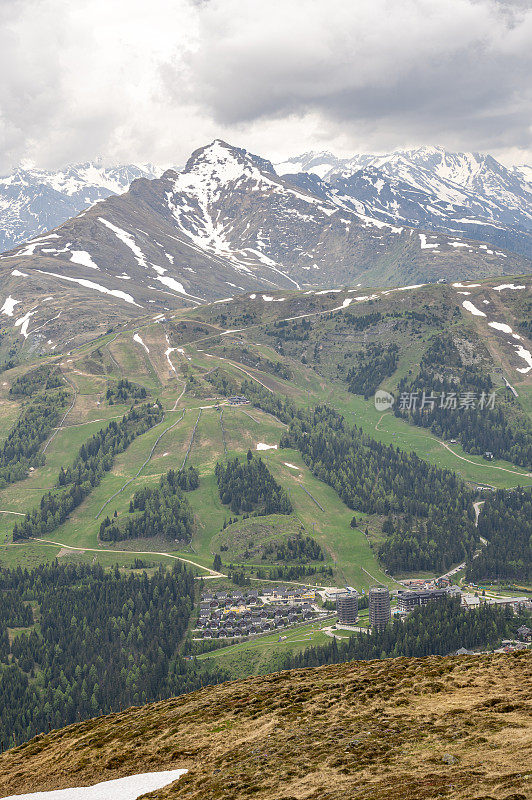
(225, 224)
(33, 201)
(468, 194)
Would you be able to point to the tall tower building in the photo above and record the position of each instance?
(347, 607)
(379, 607)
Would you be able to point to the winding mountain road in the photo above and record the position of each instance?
(212, 573)
(476, 464)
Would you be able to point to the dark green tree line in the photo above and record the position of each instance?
(499, 427)
(292, 548)
(155, 511)
(249, 487)
(371, 367)
(124, 391)
(380, 479)
(94, 459)
(21, 449)
(435, 629)
(37, 380)
(505, 520)
(105, 640)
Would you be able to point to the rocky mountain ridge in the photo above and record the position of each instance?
(33, 201)
(224, 225)
(468, 194)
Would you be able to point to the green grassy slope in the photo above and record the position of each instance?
(201, 349)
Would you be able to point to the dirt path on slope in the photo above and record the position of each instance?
(211, 572)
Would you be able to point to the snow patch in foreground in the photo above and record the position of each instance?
(468, 305)
(262, 446)
(291, 466)
(463, 286)
(507, 286)
(121, 789)
(137, 339)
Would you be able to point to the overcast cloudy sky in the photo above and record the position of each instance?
(150, 80)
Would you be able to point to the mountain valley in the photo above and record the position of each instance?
(189, 409)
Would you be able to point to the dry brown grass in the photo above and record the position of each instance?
(381, 730)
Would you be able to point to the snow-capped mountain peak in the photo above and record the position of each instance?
(34, 200)
(429, 187)
(204, 196)
(317, 163)
(228, 224)
(221, 163)
(217, 165)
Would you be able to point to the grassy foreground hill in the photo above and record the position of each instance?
(452, 727)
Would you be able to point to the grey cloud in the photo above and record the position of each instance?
(458, 70)
(135, 81)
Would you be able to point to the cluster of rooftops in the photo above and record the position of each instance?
(218, 623)
(278, 594)
(233, 614)
(523, 637)
(237, 400)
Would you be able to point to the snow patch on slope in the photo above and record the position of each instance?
(468, 305)
(526, 355)
(500, 326)
(24, 322)
(9, 305)
(424, 244)
(96, 286)
(175, 285)
(127, 239)
(137, 339)
(83, 258)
